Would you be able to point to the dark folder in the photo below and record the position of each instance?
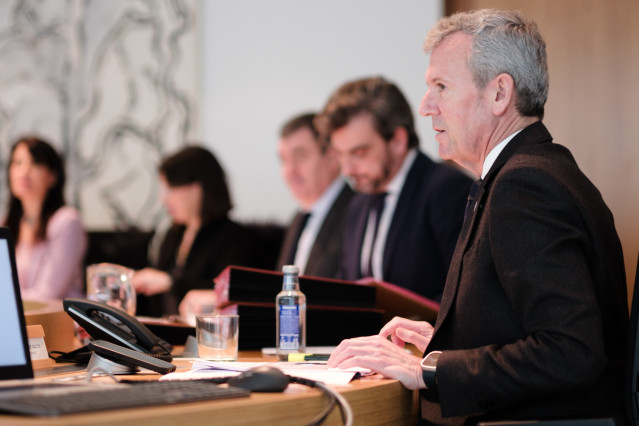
(325, 325)
(398, 301)
(240, 284)
(336, 309)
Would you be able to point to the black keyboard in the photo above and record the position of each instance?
(41, 402)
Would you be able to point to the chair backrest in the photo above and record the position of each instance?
(632, 394)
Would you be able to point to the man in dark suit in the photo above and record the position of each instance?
(403, 223)
(534, 316)
(310, 170)
(313, 240)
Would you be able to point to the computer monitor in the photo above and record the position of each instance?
(15, 362)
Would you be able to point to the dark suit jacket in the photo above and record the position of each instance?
(323, 259)
(534, 315)
(216, 245)
(422, 234)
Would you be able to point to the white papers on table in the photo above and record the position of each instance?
(202, 369)
(199, 375)
(309, 350)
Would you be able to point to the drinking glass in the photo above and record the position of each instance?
(217, 336)
(111, 284)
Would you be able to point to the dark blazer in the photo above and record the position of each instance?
(216, 245)
(323, 259)
(423, 232)
(534, 315)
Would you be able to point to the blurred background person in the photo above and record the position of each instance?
(309, 167)
(50, 239)
(201, 241)
(403, 224)
(313, 239)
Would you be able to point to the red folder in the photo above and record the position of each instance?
(398, 301)
(241, 284)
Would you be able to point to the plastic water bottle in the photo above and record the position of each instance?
(290, 314)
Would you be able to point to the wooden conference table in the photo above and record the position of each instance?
(374, 400)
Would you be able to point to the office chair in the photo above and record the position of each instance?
(632, 367)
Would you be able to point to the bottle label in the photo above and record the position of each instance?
(289, 327)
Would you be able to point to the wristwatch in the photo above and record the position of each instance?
(429, 369)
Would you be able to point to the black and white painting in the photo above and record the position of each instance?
(112, 85)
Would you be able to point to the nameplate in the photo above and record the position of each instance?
(37, 347)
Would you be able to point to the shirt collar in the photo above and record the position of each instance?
(494, 153)
(396, 184)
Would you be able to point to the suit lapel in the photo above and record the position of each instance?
(402, 211)
(456, 264)
(288, 244)
(332, 224)
(535, 133)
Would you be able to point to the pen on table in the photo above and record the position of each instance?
(308, 357)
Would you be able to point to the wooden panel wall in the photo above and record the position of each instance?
(593, 105)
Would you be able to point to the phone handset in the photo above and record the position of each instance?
(126, 357)
(105, 322)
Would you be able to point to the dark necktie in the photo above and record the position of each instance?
(377, 208)
(471, 197)
(301, 224)
(456, 262)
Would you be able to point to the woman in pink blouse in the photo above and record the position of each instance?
(50, 240)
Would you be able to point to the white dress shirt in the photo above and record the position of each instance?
(393, 189)
(494, 153)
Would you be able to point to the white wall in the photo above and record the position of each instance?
(265, 61)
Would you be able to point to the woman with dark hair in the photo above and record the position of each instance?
(202, 240)
(50, 240)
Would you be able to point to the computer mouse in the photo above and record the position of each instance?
(261, 379)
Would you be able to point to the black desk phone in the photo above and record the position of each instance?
(105, 322)
(130, 358)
